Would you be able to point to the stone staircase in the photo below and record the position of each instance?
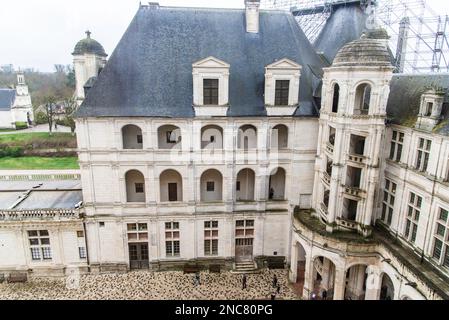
(245, 267)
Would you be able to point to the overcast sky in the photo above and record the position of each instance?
(40, 33)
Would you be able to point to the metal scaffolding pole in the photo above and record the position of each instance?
(418, 33)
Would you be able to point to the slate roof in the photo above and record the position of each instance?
(150, 72)
(65, 194)
(405, 98)
(7, 98)
(346, 24)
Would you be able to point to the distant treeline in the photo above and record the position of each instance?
(59, 84)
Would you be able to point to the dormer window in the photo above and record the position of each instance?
(210, 87)
(210, 91)
(430, 109)
(282, 87)
(282, 92)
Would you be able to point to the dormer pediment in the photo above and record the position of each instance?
(210, 62)
(284, 64)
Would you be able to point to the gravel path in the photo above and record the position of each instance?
(145, 285)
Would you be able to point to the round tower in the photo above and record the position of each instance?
(352, 124)
(89, 58)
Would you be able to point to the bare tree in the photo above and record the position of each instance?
(60, 68)
(70, 106)
(50, 111)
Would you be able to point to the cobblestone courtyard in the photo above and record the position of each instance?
(153, 285)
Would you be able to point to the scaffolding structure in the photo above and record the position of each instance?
(419, 36)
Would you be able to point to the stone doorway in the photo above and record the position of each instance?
(138, 256)
(243, 250)
(244, 238)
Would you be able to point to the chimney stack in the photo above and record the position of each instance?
(252, 15)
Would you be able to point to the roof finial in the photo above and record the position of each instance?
(88, 33)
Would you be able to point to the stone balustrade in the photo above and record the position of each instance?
(329, 148)
(357, 159)
(40, 214)
(353, 191)
(352, 225)
(326, 178)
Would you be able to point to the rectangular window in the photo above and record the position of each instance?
(80, 234)
(39, 245)
(210, 238)
(172, 246)
(396, 146)
(412, 220)
(388, 201)
(210, 91)
(139, 138)
(137, 232)
(282, 92)
(82, 252)
(422, 160)
(139, 188)
(238, 186)
(210, 186)
(441, 239)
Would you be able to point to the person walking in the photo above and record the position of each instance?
(324, 295)
(278, 289)
(198, 279)
(275, 281)
(244, 282)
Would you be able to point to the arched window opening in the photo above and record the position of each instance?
(245, 185)
(387, 288)
(356, 278)
(135, 186)
(279, 137)
(276, 190)
(132, 137)
(170, 186)
(169, 137)
(336, 98)
(362, 99)
(211, 137)
(323, 279)
(211, 186)
(247, 137)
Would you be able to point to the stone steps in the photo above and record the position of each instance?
(245, 267)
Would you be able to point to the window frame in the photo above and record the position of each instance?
(282, 92)
(388, 201)
(211, 91)
(423, 154)
(443, 257)
(397, 146)
(137, 232)
(210, 186)
(172, 239)
(211, 232)
(412, 217)
(41, 250)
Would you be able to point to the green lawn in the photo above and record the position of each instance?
(23, 138)
(38, 163)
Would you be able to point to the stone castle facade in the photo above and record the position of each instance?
(221, 137)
